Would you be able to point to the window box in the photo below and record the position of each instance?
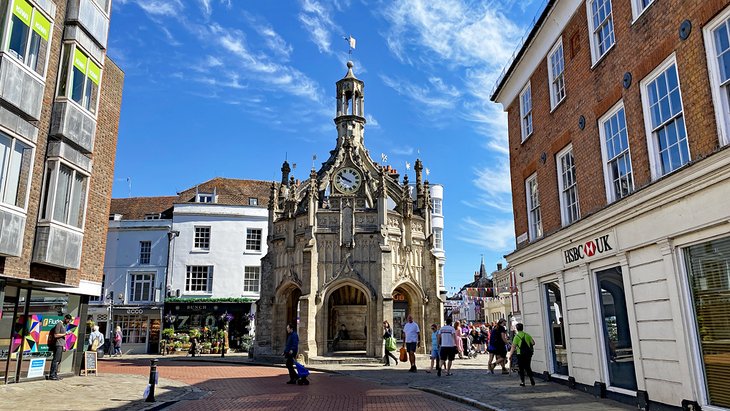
(74, 123)
(21, 88)
(57, 245)
(92, 15)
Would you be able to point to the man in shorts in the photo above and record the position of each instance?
(411, 340)
(447, 342)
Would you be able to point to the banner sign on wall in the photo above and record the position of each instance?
(592, 248)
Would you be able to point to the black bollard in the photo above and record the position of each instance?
(153, 380)
(223, 348)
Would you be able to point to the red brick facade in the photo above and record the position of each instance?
(639, 48)
(100, 182)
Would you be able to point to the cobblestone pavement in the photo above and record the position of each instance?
(231, 386)
(235, 382)
(471, 383)
(103, 392)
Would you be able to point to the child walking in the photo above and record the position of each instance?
(434, 349)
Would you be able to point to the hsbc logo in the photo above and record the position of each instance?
(590, 248)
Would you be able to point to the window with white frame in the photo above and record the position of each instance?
(253, 239)
(440, 274)
(569, 208)
(638, 7)
(145, 252)
(80, 77)
(204, 198)
(104, 5)
(437, 204)
(664, 119)
(534, 215)
(199, 279)
(617, 169)
(16, 162)
(556, 74)
(717, 45)
(141, 287)
(438, 238)
(29, 34)
(251, 279)
(600, 25)
(65, 193)
(526, 112)
(253, 201)
(201, 241)
(153, 216)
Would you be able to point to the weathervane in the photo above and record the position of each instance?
(351, 42)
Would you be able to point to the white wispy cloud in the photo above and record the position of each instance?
(497, 235)
(494, 186)
(206, 7)
(160, 7)
(402, 151)
(316, 19)
(372, 122)
(435, 97)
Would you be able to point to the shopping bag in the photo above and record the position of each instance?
(390, 344)
(403, 354)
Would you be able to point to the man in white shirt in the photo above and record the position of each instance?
(411, 340)
(447, 342)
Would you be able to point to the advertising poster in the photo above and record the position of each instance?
(37, 329)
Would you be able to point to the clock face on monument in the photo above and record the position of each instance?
(347, 180)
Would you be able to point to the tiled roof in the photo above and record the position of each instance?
(135, 208)
(230, 191)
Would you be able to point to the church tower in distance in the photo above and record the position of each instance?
(351, 246)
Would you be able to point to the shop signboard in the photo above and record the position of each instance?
(36, 367)
(208, 316)
(592, 248)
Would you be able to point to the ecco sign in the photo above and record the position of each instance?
(598, 246)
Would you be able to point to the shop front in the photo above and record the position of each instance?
(28, 315)
(628, 308)
(211, 317)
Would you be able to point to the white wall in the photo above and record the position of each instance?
(227, 252)
(122, 255)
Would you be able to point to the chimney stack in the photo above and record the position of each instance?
(499, 266)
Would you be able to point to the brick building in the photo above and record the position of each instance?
(60, 99)
(618, 133)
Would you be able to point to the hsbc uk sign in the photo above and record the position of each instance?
(590, 249)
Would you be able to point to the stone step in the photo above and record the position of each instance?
(344, 357)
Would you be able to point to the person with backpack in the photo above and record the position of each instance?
(522, 344)
(96, 339)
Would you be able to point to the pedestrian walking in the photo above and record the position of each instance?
(522, 344)
(498, 346)
(411, 340)
(390, 344)
(118, 341)
(290, 352)
(434, 349)
(57, 342)
(447, 345)
(459, 341)
(96, 339)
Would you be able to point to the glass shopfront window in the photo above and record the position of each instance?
(708, 271)
(556, 329)
(27, 318)
(616, 332)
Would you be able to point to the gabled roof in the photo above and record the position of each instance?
(135, 208)
(230, 191)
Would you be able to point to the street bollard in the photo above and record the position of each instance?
(223, 348)
(153, 380)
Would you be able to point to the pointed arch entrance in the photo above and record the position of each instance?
(405, 300)
(347, 309)
(286, 308)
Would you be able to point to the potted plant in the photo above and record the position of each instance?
(168, 333)
(206, 347)
(194, 333)
(177, 345)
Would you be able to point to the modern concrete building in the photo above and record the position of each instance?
(60, 100)
(350, 245)
(618, 140)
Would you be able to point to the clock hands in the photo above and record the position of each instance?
(346, 179)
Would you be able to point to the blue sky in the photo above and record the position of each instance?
(231, 87)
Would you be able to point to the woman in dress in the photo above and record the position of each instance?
(459, 342)
(118, 341)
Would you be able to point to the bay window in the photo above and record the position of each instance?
(28, 36)
(64, 194)
(80, 77)
(16, 162)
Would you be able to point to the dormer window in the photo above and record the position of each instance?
(153, 216)
(204, 198)
(253, 201)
